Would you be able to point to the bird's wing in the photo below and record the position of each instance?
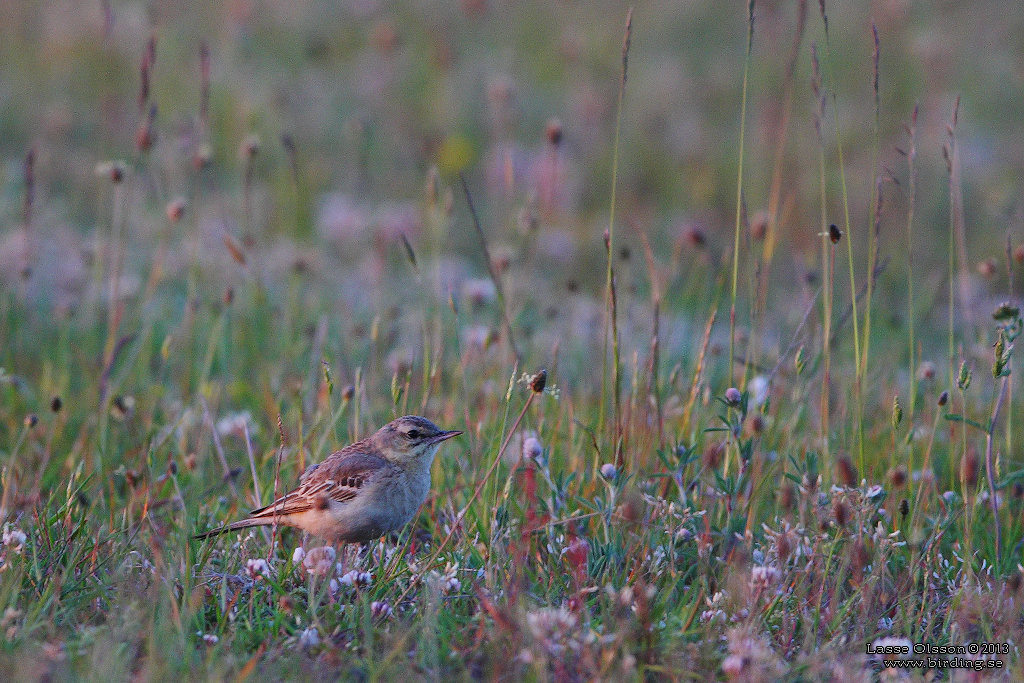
(338, 478)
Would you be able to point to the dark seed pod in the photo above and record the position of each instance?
(538, 381)
(834, 233)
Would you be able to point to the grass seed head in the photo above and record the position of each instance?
(788, 497)
(759, 226)
(834, 234)
(841, 511)
(553, 132)
(898, 477)
(713, 454)
(176, 209)
(538, 381)
(970, 466)
(846, 472)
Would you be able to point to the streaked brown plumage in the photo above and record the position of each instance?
(362, 491)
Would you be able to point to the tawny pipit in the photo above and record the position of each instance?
(361, 492)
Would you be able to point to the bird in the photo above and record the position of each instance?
(361, 492)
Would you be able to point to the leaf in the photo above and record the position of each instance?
(953, 417)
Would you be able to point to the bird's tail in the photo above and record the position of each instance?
(235, 526)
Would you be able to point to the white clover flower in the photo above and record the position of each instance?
(532, 449)
(354, 577)
(762, 577)
(309, 638)
(257, 567)
(14, 538)
(320, 561)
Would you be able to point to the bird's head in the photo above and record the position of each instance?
(411, 439)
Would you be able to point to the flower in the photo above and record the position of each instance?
(380, 609)
(532, 449)
(309, 638)
(257, 567)
(608, 471)
(762, 577)
(733, 397)
(14, 538)
(356, 578)
(320, 561)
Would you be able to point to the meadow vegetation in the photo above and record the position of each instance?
(725, 302)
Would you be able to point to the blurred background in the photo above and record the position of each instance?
(296, 136)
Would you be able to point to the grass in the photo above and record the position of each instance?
(186, 360)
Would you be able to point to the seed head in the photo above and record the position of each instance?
(834, 234)
(203, 157)
(784, 546)
(988, 267)
(538, 381)
(969, 468)
(695, 237)
(114, 171)
(553, 132)
(841, 511)
(1006, 311)
(759, 226)
(898, 477)
(926, 371)
(175, 209)
(787, 497)
(963, 379)
(250, 146)
(846, 472)
(799, 361)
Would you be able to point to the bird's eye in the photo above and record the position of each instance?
(413, 434)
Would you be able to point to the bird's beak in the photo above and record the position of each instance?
(444, 436)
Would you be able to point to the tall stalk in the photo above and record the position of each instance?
(739, 192)
(827, 254)
(911, 156)
(873, 213)
(859, 394)
(610, 284)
